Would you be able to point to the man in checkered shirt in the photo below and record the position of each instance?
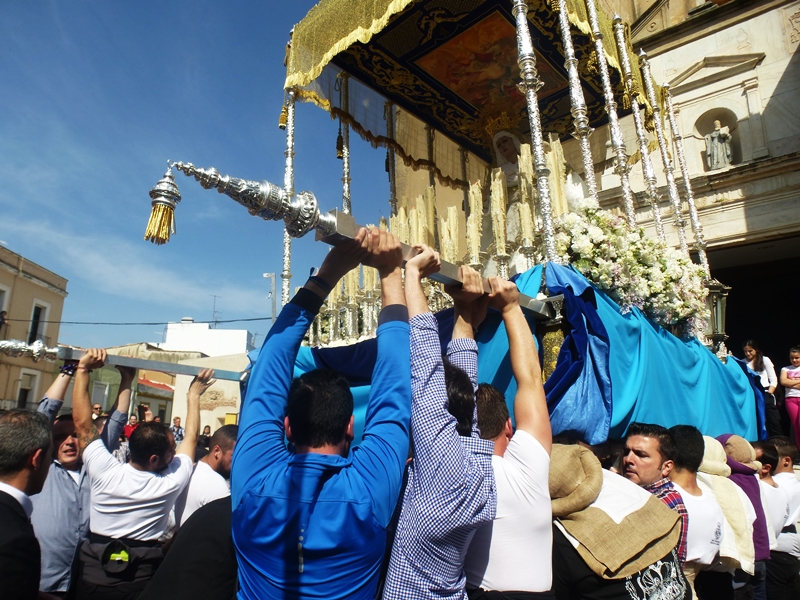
(649, 458)
(450, 488)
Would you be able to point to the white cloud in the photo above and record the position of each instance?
(117, 267)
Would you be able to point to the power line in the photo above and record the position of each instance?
(144, 323)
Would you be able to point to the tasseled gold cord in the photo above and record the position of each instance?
(161, 224)
(340, 144)
(284, 118)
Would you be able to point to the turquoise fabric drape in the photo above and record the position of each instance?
(613, 369)
(658, 378)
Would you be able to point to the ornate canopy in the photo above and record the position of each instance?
(450, 63)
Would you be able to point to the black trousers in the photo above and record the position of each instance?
(105, 576)
(772, 416)
(782, 576)
(714, 585)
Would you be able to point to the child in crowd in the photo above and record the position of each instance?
(790, 380)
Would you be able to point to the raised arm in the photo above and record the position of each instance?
(469, 311)
(530, 405)
(53, 398)
(381, 457)
(261, 430)
(81, 401)
(433, 428)
(202, 381)
(118, 413)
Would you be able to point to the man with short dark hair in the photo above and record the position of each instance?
(209, 480)
(513, 553)
(784, 563)
(130, 504)
(647, 462)
(705, 521)
(450, 489)
(25, 455)
(775, 498)
(312, 523)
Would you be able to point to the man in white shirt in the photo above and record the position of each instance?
(773, 497)
(26, 450)
(705, 516)
(209, 480)
(784, 563)
(514, 552)
(131, 503)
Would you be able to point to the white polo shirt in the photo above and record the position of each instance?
(206, 485)
(127, 502)
(776, 506)
(514, 552)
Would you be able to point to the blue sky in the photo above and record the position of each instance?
(96, 96)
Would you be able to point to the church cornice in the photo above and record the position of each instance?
(705, 24)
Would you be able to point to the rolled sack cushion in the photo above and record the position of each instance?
(625, 530)
(742, 474)
(740, 450)
(619, 527)
(575, 480)
(737, 550)
(715, 461)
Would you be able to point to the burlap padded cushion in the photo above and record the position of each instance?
(615, 551)
(576, 477)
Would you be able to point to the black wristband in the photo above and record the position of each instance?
(69, 369)
(320, 282)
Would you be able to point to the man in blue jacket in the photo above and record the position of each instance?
(311, 523)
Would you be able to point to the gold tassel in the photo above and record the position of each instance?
(340, 145)
(161, 224)
(284, 118)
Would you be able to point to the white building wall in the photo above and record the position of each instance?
(199, 337)
(220, 400)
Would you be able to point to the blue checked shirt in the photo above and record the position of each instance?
(450, 489)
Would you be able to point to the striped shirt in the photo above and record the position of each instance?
(666, 492)
(450, 489)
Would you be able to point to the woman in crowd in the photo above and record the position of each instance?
(763, 367)
(205, 437)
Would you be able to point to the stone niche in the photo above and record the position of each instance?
(725, 89)
(705, 125)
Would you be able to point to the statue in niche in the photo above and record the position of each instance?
(718, 147)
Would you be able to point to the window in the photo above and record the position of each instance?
(4, 297)
(28, 382)
(38, 326)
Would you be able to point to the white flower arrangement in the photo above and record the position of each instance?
(635, 270)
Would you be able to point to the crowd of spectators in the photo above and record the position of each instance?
(447, 495)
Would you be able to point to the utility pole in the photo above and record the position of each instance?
(214, 311)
